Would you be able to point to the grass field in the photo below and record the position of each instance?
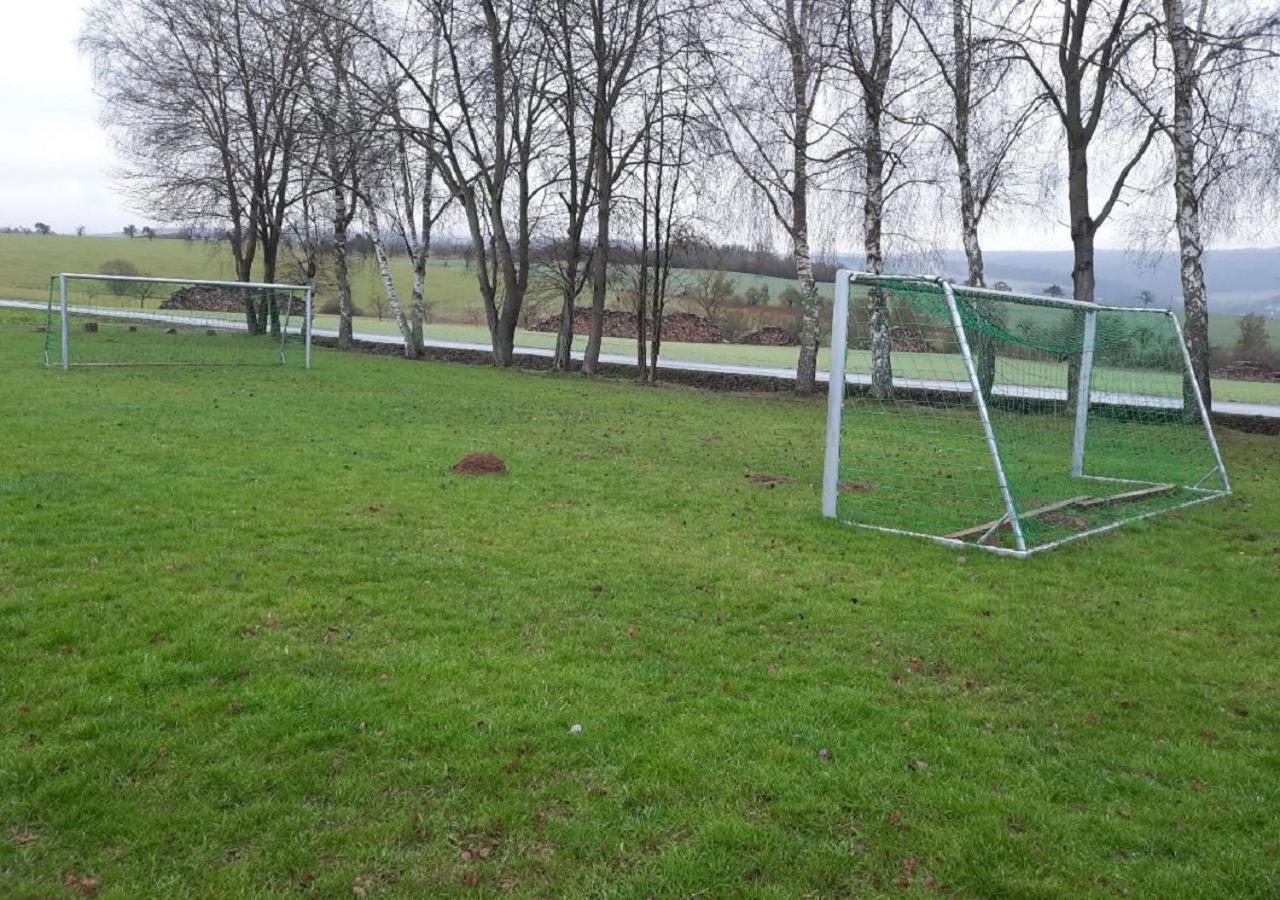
(259, 640)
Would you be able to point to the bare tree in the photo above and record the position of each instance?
(769, 81)
(619, 33)
(871, 42)
(343, 129)
(483, 126)
(204, 96)
(1223, 134)
(1075, 57)
(986, 114)
(668, 163)
(563, 23)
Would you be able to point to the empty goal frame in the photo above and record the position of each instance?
(1010, 422)
(120, 320)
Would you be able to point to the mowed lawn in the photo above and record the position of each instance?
(259, 640)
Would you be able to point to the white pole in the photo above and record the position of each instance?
(1010, 511)
(835, 393)
(1083, 389)
(307, 326)
(66, 323)
(1204, 410)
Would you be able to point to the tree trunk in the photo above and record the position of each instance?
(810, 312)
(341, 218)
(1083, 278)
(388, 283)
(563, 359)
(873, 220)
(1195, 304)
(982, 343)
(600, 259)
(418, 303)
(810, 304)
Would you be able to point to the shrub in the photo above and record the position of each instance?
(791, 297)
(119, 267)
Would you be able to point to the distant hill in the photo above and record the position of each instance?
(1240, 281)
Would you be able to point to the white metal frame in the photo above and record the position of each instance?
(65, 309)
(1083, 389)
(839, 379)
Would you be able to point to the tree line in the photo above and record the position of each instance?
(580, 142)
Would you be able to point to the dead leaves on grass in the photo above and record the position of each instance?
(85, 885)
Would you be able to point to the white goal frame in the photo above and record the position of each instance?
(839, 381)
(66, 310)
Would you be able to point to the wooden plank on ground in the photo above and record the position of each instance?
(1030, 514)
(1129, 496)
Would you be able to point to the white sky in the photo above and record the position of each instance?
(56, 161)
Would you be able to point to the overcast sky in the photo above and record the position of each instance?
(56, 162)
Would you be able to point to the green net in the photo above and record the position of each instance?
(1079, 418)
(122, 321)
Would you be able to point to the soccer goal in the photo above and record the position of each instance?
(117, 320)
(1010, 422)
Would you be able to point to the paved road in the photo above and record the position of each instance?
(1226, 407)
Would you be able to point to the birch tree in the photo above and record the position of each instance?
(986, 114)
(1223, 132)
(764, 97)
(871, 42)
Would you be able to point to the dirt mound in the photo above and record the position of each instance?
(621, 324)
(480, 464)
(770, 336)
(207, 298)
(770, 480)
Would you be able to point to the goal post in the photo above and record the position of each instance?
(1010, 422)
(124, 320)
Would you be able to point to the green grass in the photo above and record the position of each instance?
(259, 640)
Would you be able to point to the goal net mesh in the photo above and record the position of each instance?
(916, 456)
(123, 321)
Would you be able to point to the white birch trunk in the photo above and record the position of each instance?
(388, 283)
(1187, 194)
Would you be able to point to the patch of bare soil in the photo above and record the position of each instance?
(480, 464)
(1065, 520)
(770, 480)
(856, 487)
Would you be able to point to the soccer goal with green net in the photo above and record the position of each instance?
(1010, 422)
(117, 320)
